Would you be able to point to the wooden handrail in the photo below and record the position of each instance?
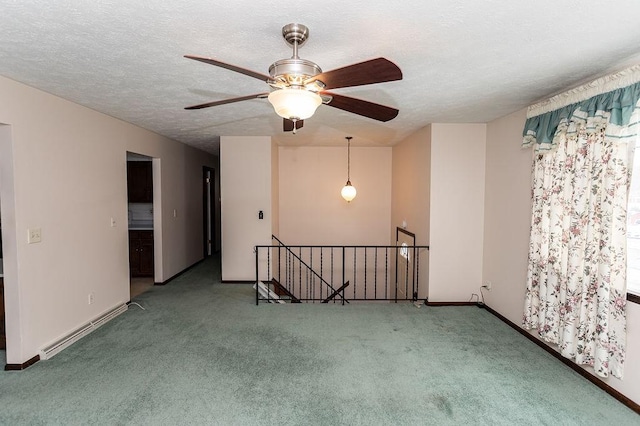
(280, 289)
(335, 293)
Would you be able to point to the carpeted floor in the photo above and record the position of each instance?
(203, 353)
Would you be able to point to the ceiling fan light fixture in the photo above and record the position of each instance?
(294, 104)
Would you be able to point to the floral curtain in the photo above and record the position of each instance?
(576, 279)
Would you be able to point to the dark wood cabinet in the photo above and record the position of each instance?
(139, 182)
(3, 339)
(141, 253)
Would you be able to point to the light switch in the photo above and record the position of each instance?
(113, 223)
(34, 235)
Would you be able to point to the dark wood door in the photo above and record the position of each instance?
(134, 254)
(3, 339)
(141, 253)
(139, 181)
(146, 256)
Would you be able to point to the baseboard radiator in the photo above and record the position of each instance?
(78, 334)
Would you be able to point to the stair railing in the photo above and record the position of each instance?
(284, 282)
(309, 273)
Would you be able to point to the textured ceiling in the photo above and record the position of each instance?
(462, 61)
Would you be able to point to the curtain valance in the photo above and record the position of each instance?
(616, 106)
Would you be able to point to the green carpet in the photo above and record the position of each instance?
(203, 353)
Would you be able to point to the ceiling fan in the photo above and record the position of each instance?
(298, 86)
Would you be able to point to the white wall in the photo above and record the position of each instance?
(69, 179)
(245, 189)
(410, 194)
(508, 215)
(457, 211)
(312, 211)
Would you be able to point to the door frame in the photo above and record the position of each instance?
(208, 211)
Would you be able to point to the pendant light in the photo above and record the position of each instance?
(348, 191)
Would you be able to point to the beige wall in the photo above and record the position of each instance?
(311, 208)
(410, 194)
(69, 179)
(275, 189)
(508, 214)
(245, 189)
(457, 211)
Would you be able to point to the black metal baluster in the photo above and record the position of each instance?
(343, 273)
(417, 273)
(396, 279)
(309, 277)
(365, 272)
(355, 251)
(406, 276)
(332, 269)
(375, 275)
(386, 271)
(321, 270)
(257, 288)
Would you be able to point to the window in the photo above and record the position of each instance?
(633, 229)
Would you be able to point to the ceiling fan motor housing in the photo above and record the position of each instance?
(294, 72)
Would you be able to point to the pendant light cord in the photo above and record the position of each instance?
(348, 138)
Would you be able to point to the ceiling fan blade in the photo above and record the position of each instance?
(288, 125)
(377, 70)
(228, 101)
(244, 71)
(360, 107)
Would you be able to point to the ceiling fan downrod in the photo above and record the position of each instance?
(293, 72)
(295, 35)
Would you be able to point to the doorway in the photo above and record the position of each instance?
(208, 211)
(9, 298)
(3, 339)
(140, 202)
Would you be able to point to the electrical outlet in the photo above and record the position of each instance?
(34, 235)
(487, 285)
(90, 299)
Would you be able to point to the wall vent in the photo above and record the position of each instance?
(76, 335)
